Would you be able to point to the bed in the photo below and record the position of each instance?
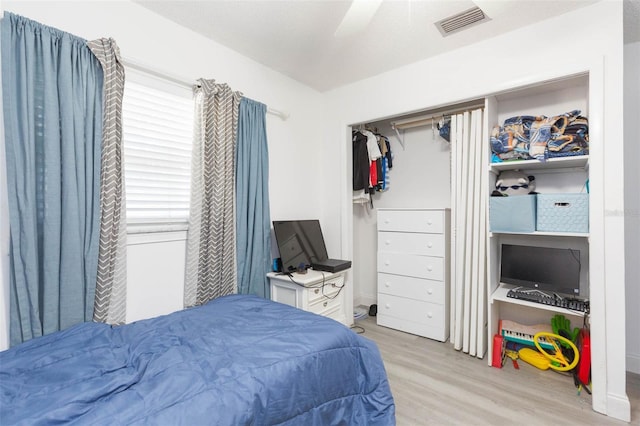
(238, 360)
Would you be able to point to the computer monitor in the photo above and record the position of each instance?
(544, 268)
(299, 242)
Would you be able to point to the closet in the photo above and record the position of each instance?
(421, 179)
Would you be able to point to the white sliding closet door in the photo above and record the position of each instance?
(469, 195)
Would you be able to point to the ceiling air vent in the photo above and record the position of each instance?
(461, 21)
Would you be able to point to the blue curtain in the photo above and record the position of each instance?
(52, 93)
(253, 225)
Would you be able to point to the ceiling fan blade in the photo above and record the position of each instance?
(357, 17)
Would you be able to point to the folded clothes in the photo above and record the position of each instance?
(527, 137)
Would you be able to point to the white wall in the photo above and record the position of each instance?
(632, 200)
(537, 52)
(156, 264)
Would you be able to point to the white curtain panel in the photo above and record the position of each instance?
(470, 155)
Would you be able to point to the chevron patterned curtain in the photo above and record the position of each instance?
(110, 298)
(211, 268)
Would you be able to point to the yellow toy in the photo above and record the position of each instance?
(558, 360)
(535, 358)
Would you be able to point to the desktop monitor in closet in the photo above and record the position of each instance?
(543, 268)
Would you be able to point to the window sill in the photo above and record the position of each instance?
(150, 233)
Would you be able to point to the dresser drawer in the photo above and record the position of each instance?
(422, 318)
(410, 309)
(413, 243)
(437, 332)
(430, 221)
(412, 288)
(411, 265)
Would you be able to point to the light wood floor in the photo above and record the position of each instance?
(433, 384)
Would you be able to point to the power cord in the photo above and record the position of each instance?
(358, 329)
(320, 285)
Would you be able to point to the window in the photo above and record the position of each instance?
(157, 122)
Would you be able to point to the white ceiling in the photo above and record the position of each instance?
(298, 38)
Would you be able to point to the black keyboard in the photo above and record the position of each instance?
(550, 300)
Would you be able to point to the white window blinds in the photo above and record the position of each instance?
(157, 126)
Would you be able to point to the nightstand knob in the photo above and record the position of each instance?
(325, 304)
(316, 291)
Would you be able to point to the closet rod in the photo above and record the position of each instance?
(183, 83)
(427, 120)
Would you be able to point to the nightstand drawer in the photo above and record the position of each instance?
(328, 288)
(412, 243)
(412, 288)
(326, 304)
(430, 221)
(428, 267)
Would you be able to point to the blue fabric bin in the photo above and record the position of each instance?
(563, 213)
(512, 214)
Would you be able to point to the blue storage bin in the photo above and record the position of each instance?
(563, 213)
(512, 214)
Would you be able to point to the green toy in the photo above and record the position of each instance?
(562, 327)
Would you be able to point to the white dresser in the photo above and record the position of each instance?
(413, 271)
(319, 292)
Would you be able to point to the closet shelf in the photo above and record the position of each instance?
(500, 295)
(578, 161)
(543, 233)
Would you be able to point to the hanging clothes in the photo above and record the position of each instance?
(388, 164)
(389, 154)
(361, 166)
(385, 163)
(372, 145)
(360, 161)
(379, 175)
(371, 164)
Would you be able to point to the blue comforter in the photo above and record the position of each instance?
(239, 360)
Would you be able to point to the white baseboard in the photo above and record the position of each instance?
(633, 363)
(619, 407)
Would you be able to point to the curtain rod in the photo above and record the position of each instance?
(425, 120)
(182, 83)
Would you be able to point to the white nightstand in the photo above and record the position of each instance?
(319, 292)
